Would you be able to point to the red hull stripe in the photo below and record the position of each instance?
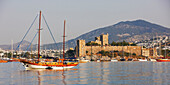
(54, 65)
(163, 60)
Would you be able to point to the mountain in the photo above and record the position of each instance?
(23, 45)
(131, 31)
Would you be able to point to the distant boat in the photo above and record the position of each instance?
(143, 59)
(163, 60)
(40, 64)
(130, 59)
(3, 61)
(13, 60)
(114, 60)
(152, 59)
(83, 60)
(98, 60)
(122, 59)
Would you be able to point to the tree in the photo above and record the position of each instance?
(113, 43)
(70, 53)
(133, 44)
(26, 54)
(167, 53)
(105, 53)
(88, 44)
(134, 54)
(92, 44)
(8, 54)
(125, 43)
(120, 43)
(127, 54)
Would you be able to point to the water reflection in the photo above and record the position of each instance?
(45, 77)
(148, 73)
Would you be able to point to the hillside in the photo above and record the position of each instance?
(131, 31)
(23, 45)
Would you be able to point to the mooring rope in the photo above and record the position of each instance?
(49, 30)
(31, 43)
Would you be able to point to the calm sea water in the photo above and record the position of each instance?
(93, 73)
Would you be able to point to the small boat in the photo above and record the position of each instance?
(163, 60)
(153, 60)
(3, 61)
(114, 60)
(122, 59)
(98, 60)
(143, 59)
(84, 61)
(130, 59)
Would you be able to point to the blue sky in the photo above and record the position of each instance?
(82, 16)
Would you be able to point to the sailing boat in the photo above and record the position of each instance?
(122, 58)
(39, 64)
(12, 59)
(164, 59)
(113, 59)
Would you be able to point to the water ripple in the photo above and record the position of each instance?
(119, 73)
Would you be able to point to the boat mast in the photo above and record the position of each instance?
(31, 51)
(11, 48)
(39, 36)
(165, 48)
(64, 39)
(153, 46)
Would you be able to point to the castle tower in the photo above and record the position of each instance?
(104, 39)
(81, 49)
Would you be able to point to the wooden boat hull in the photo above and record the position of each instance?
(59, 66)
(163, 60)
(46, 67)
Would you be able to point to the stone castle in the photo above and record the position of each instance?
(83, 50)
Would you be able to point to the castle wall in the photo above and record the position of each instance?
(130, 49)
